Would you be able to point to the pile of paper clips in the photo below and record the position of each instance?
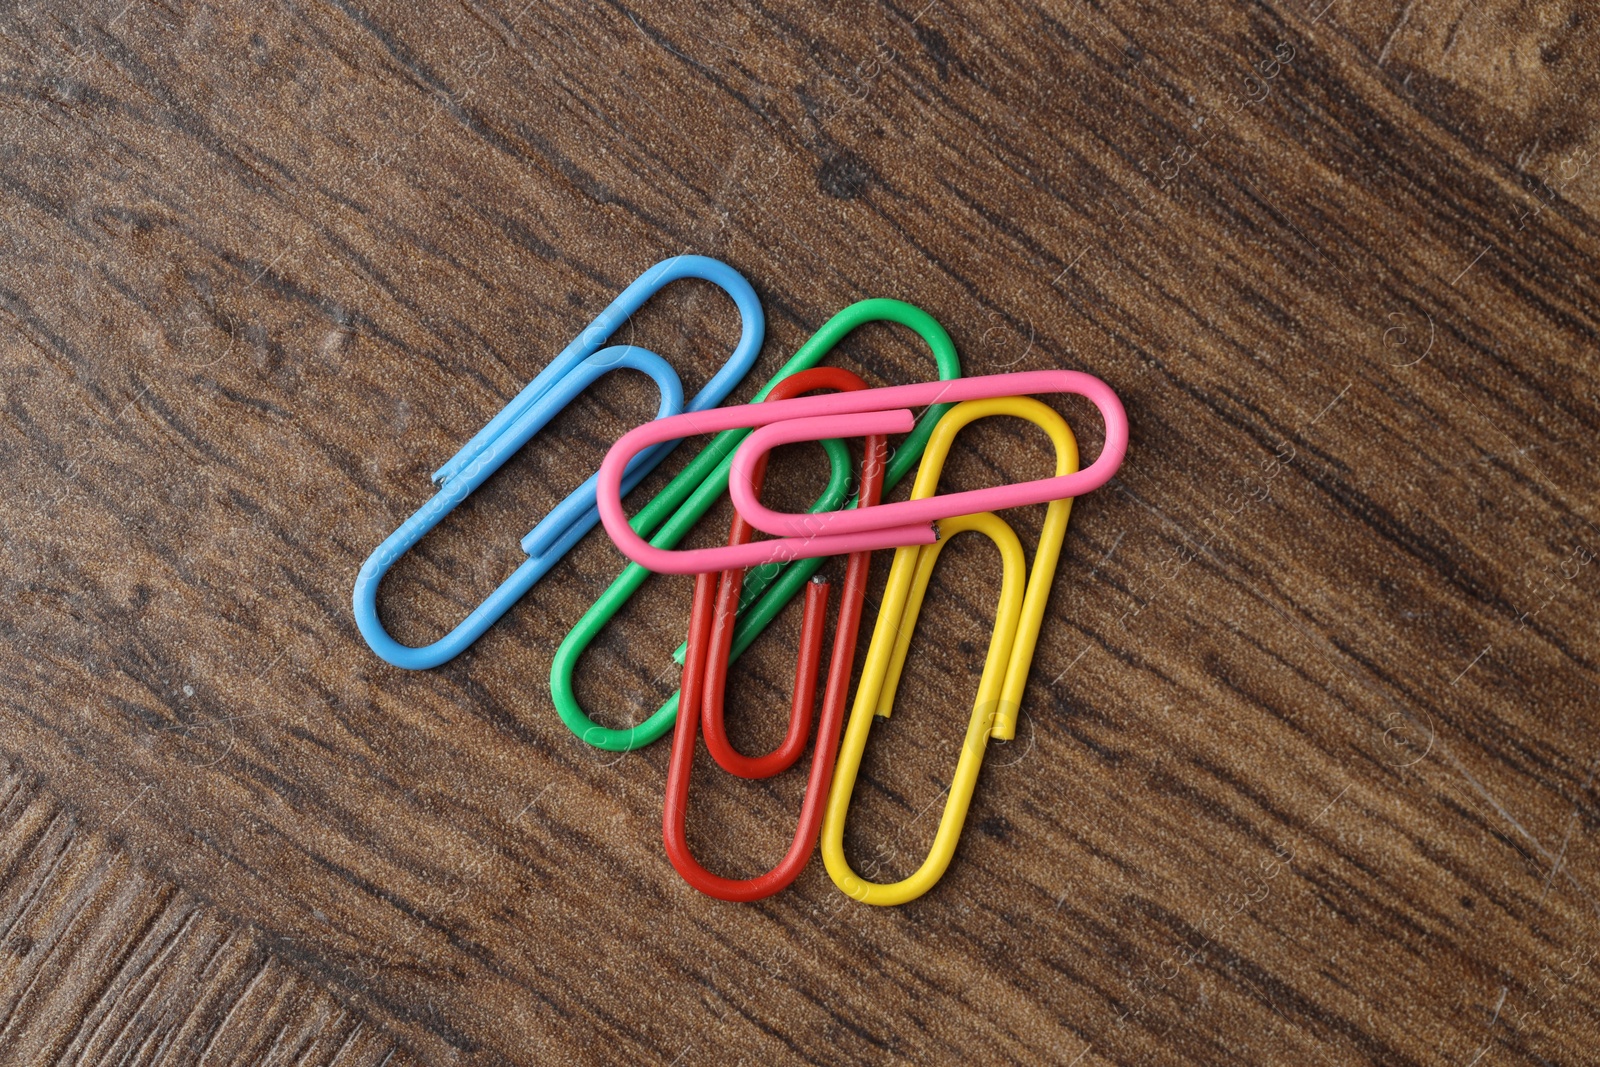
(730, 607)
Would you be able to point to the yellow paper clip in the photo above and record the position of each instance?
(1005, 669)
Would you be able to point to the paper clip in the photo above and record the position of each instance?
(667, 519)
(572, 371)
(1005, 670)
(729, 586)
(871, 411)
(705, 681)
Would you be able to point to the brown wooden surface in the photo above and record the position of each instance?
(1308, 768)
(105, 964)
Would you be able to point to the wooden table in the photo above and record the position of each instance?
(1307, 772)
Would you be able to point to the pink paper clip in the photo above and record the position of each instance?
(853, 414)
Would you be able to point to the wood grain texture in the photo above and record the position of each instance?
(1308, 766)
(102, 964)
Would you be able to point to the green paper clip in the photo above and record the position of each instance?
(686, 498)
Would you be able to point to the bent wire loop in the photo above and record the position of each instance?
(1005, 670)
(720, 640)
(667, 519)
(572, 371)
(704, 683)
(871, 411)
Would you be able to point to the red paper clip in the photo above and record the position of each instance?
(711, 626)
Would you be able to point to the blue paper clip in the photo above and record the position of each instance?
(571, 372)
